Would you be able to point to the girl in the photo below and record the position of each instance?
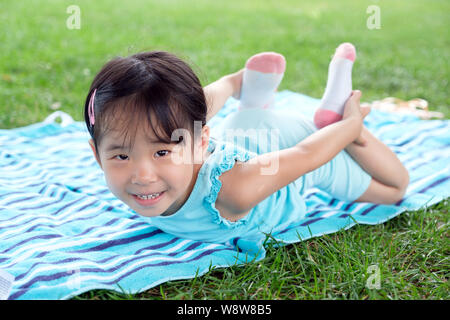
(147, 117)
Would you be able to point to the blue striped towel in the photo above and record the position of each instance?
(63, 233)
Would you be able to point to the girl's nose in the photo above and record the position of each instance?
(144, 173)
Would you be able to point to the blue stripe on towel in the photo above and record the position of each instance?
(63, 233)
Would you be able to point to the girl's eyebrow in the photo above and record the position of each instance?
(113, 147)
(156, 141)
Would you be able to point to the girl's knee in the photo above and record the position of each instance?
(382, 194)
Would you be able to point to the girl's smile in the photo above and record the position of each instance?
(148, 200)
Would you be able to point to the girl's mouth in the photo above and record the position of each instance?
(148, 200)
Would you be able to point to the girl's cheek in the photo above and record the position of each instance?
(114, 174)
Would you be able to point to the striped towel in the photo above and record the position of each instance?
(63, 233)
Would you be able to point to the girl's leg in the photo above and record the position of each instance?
(371, 173)
(389, 177)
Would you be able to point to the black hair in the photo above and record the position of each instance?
(129, 90)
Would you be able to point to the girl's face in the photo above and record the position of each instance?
(150, 168)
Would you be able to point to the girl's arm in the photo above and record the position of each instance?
(219, 91)
(309, 154)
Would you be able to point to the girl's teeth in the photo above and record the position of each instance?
(152, 196)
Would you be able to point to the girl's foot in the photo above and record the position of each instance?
(262, 74)
(339, 86)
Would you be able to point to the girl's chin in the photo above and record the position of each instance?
(147, 212)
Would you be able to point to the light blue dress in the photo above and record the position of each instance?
(256, 131)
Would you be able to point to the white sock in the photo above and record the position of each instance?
(339, 86)
(262, 76)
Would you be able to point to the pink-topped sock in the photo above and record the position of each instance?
(339, 86)
(262, 76)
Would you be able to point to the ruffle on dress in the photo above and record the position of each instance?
(226, 156)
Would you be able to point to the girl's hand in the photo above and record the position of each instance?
(352, 109)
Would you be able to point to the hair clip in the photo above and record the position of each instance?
(91, 108)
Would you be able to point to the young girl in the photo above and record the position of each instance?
(147, 116)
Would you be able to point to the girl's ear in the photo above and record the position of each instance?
(91, 143)
(205, 137)
(201, 145)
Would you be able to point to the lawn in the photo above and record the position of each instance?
(45, 66)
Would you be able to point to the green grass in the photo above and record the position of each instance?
(43, 64)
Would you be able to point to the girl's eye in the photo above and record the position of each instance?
(162, 153)
(121, 157)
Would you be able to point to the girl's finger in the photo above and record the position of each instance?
(365, 110)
